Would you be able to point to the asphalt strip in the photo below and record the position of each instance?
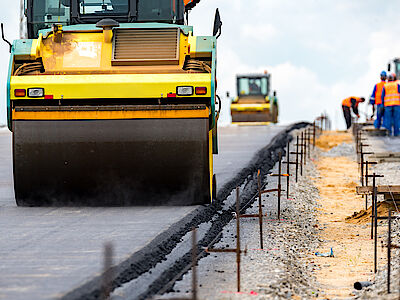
(217, 215)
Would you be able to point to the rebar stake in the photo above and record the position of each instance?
(309, 135)
(237, 250)
(287, 168)
(389, 247)
(260, 211)
(288, 162)
(308, 131)
(314, 135)
(297, 157)
(301, 156)
(374, 199)
(362, 161)
(280, 184)
(107, 278)
(366, 183)
(279, 189)
(375, 223)
(367, 163)
(304, 143)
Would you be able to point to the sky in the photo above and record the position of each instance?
(317, 52)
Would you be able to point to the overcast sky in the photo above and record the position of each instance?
(318, 52)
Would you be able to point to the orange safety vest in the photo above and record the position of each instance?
(392, 95)
(191, 2)
(347, 101)
(378, 92)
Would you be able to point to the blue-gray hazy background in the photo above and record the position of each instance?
(318, 52)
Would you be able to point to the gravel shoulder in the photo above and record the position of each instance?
(278, 271)
(315, 217)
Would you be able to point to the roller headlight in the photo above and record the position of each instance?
(184, 90)
(35, 92)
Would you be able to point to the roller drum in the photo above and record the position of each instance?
(111, 162)
(245, 116)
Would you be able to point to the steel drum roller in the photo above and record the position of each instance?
(111, 162)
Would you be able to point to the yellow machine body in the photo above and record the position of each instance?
(111, 126)
(254, 105)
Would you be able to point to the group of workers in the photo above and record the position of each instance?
(386, 98)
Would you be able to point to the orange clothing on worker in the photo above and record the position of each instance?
(352, 102)
(391, 101)
(391, 93)
(378, 92)
(348, 104)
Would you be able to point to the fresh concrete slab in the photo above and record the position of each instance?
(383, 144)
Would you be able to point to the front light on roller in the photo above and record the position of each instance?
(19, 92)
(184, 90)
(35, 92)
(201, 90)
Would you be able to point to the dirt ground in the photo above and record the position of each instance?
(349, 239)
(332, 139)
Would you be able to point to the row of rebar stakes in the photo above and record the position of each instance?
(302, 147)
(301, 150)
(357, 132)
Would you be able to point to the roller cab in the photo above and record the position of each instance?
(254, 103)
(113, 104)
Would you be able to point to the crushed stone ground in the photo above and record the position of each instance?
(279, 271)
(322, 212)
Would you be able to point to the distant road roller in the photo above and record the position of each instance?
(395, 63)
(113, 102)
(254, 102)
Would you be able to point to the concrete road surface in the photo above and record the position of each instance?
(383, 144)
(47, 252)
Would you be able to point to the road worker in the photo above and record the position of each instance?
(376, 99)
(348, 104)
(391, 101)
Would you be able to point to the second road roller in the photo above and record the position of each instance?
(254, 104)
(113, 102)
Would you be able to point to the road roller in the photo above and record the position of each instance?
(395, 63)
(113, 103)
(254, 103)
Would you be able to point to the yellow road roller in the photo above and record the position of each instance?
(254, 103)
(113, 102)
